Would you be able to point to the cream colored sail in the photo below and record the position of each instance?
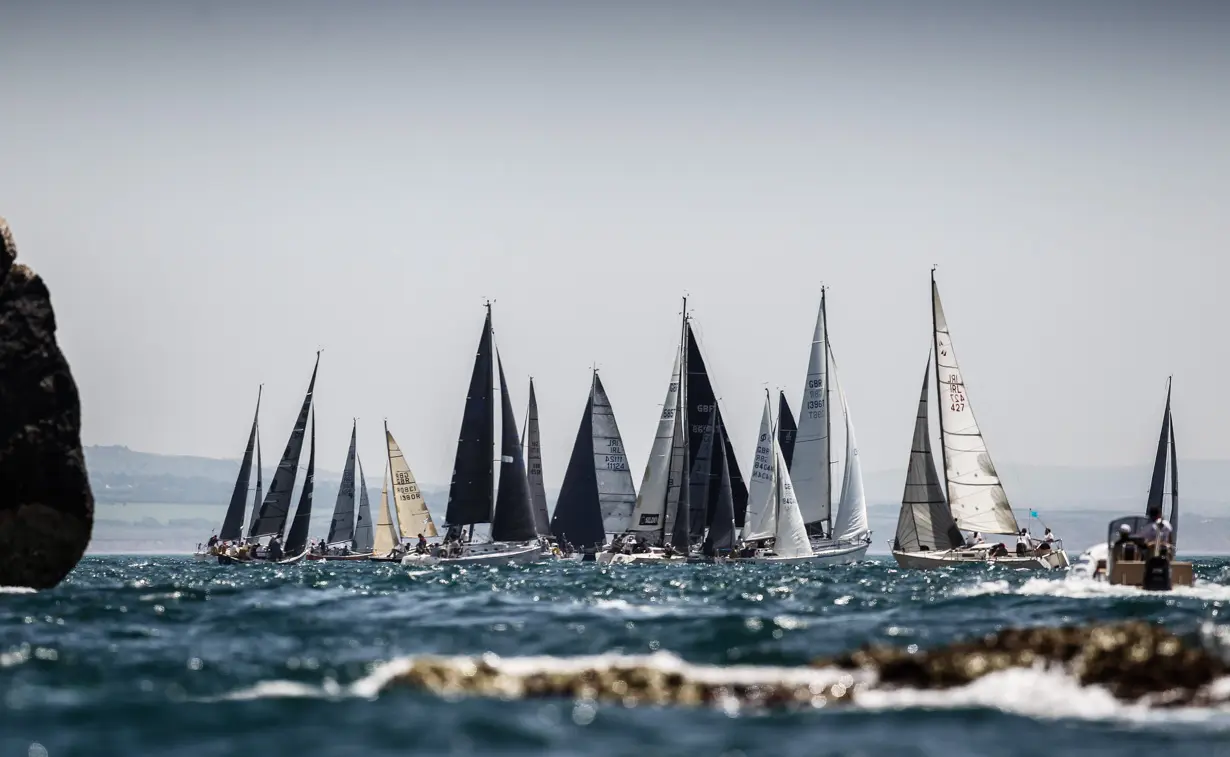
(412, 515)
(975, 494)
(385, 538)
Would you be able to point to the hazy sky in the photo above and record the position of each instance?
(212, 191)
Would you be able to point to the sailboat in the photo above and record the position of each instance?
(598, 494)
(270, 518)
(810, 458)
(773, 511)
(297, 538)
(232, 523)
(928, 531)
(1132, 556)
(473, 499)
(342, 542)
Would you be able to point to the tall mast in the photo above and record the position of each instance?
(388, 462)
(679, 406)
(939, 390)
(828, 424)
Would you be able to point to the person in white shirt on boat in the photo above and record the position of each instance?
(1024, 544)
(1159, 532)
(977, 539)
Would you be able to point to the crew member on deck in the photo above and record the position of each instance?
(1024, 544)
(1159, 531)
(422, 547)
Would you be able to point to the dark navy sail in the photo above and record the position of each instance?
(721, 536)
(276, 507)
(363, 535)
(341, 528)
(296, 540)
(232, 524)
(703, 476)
(1157, 485)
(787, 429)
(258, 495)
(469, 494)
(701, 402)
(578, 511)
(514, 516)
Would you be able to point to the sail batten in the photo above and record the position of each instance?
(976, 496)
(538, 492)
(275, 508)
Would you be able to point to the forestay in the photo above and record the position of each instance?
(976, 497)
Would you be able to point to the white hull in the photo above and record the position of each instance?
(204, 556)
(415, 559)
(826, 553)
(655, 557)
(495, 554)
(1086, 564)
(1054, 560)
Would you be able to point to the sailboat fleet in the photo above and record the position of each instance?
(693, 503)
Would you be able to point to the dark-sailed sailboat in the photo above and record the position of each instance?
(297, 538)
(533, 456)
(342, 541)
(1140, 550)
(597, 495)
(270, 519)
(232, 523)
(473, 499)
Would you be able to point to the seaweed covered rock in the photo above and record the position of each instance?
(46, 507)
(1132, 660)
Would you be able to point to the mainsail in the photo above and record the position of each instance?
(412, 515)
(470, 493)
(703, 477)
(976, 497)
(1157, 485)
(363, 526)
(721, 534)
(597, 494)
(810, 468)
(786, 428)
(232, 524)
(276, 506)
(296, 540)
(385, 538)
(649, 513)
(514, 516)
(341, 528)
(538, 492)
(851, 521)
(701, 402)
(924, 520)
(761, 520)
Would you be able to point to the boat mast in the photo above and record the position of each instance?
(679, 408)
(491, 453)
(388, 462)
(939, 390)
(828, 415)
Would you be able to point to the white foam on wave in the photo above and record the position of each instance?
(17, 590)
(1085, 588)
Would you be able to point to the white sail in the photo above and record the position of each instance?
(851, 520)
(760, 520)
(975, 495)
(649, 513)
(790, 538)
(412, 515)
(386, 537)
(810, 468)
(616, 490)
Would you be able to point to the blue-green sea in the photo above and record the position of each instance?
(167, 656)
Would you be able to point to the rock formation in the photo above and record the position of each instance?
(46, 507)
(1136, 662)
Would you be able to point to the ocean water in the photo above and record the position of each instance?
(167, 656)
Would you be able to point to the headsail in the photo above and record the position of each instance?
(470, 493)
(761, 520)
(578, 514)
(924, 520)
(1157, 486)
(721, 535)
(276, 507)
(514, 516)
(649, 513)
(702, 477)
(232, 524)
(976, 497)
(851, 523)
(538, 492)
(786, 428)
(385, 538)
(341, 528)
(790, 536)
(701, 401)
(297, 539)
(412, 515)
(258, 495)
(363, 536)
(811, 467)
(616, 490)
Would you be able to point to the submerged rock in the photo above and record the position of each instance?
(46, 507)
(1135, 661)
(1132, 660)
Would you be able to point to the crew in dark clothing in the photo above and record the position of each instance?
(422, 546)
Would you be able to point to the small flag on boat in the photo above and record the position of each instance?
(1033, 513)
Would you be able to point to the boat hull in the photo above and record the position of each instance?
(343, 558)
(494, 555)
(830, 554)
(656, 557)
(931, 560)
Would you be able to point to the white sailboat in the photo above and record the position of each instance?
(774, 513)
(928, 531)
(846, 538)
